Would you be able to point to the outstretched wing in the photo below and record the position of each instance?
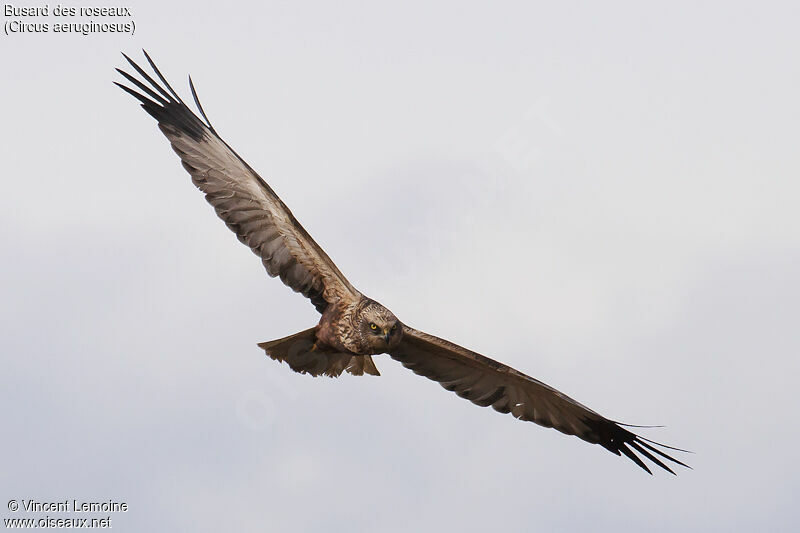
(240, 197)
(485, 382)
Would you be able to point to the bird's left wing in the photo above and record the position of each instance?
(240, 197)
(486, 382)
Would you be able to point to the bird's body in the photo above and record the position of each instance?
(337, 329)
(349, 328)
(352, 327)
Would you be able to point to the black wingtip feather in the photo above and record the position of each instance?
(158, 73)
(615, 438)
(635, 458)
(152, 94)
(662, 454)
(145, 101)
(637, 446)
(636, 426)
(147, 77)
(665, 446)
(164, 103)
(199, 105)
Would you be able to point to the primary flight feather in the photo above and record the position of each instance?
(354, 327)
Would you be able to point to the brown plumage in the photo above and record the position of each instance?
(352, 327)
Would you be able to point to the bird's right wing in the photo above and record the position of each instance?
(486, 382)
(240, 197)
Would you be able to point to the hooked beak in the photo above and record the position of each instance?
(386, 334)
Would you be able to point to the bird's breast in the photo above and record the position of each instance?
(336, 331)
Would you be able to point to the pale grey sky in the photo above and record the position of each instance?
(605, 194)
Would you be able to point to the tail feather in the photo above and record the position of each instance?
(303, 355)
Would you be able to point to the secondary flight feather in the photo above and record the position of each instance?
(353, 327)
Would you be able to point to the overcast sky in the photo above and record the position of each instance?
(604, 197)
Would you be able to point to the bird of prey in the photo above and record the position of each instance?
(353, 327)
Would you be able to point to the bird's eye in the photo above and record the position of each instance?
(372, 326)
(394, 327)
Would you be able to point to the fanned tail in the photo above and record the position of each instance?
(303, 356)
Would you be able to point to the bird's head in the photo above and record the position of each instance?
(380, 330)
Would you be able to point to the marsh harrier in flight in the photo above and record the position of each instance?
(354, 327)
